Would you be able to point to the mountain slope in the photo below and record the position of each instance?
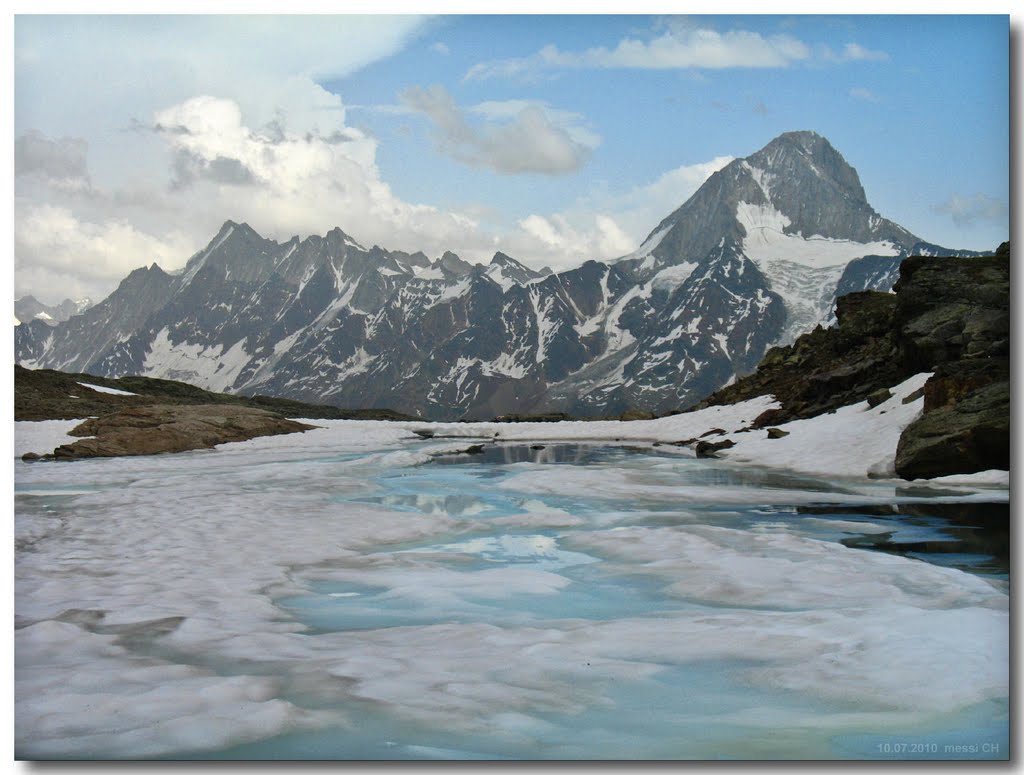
(754, 258)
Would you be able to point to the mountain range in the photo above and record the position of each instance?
(756, 257)
(30, 308)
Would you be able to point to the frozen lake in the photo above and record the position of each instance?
(356, 593)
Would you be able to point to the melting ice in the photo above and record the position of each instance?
(345, 594)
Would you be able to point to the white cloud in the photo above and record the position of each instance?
(99, 73)
(278, 153)
(440, 48)
(518, 137)
(641, 208)
(555, 241)
(604, 227)
(967, 211)
(296, 183)
(854, 52)
(64, 256)
(680, 48)
(860, 93)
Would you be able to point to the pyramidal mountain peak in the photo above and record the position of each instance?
(755, 257)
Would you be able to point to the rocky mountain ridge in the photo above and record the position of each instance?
(754, 258)
(29, 308)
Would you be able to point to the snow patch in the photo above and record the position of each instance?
(111, 391)
(208, 367)
(853, 441)
(44, 436)
(672, 277)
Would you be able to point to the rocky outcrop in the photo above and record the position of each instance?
(151, 430)
(965, 425)
(949, 316)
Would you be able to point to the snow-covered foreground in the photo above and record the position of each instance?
(342, 593)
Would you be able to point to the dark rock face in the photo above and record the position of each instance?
(965, 426)
(954, 311)
(151, 430)
(949, 316)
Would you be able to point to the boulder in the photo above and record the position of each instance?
(154, 429)
(709, 448)
(880, 396)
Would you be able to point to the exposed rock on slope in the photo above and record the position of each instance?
(948, 316)
(150, 430)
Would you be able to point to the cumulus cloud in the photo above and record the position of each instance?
(605, 226)
(555, 241)
(66, 256)
(683, 47)
(968, 211)
(59, 162)
(516, 138)
(296, 182)
(640, 208)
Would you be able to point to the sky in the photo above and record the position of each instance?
(555, 139)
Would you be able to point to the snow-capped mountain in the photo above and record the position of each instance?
(29, 308)
(754, 258)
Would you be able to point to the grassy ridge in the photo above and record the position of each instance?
(45, 394)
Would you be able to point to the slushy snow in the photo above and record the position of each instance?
(152, 614)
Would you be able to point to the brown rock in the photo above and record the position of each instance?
(709, 448)
(777, 433)
(880, 396)
(151, 430)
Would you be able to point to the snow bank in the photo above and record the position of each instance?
(853, 441)
(44, 436)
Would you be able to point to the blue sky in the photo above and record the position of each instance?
(552, 138)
